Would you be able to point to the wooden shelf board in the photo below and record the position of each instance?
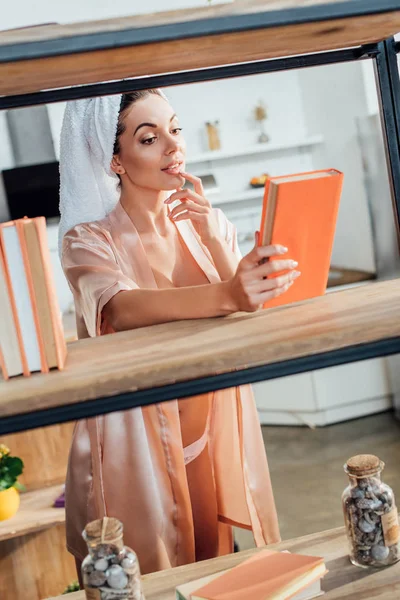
(54, 56)
(163, 356)
(35, 513)
(343, 581)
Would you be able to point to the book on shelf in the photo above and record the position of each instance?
(30, 316)
(268, 575)
(300, 212)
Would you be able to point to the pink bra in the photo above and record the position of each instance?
(196, 448)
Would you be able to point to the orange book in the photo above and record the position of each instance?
(49, 314)
(268, 575)
(300, 212)
(32, 297)
(10, 339)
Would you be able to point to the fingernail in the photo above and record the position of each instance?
(296, 274)
(294, 263)
(283, 249)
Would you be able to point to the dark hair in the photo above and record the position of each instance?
(126, 102)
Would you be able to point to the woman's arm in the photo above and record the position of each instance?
(224, 259)
(142, 307)
(246, 291)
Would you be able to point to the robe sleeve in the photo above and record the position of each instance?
(93, 273)
(228, 232)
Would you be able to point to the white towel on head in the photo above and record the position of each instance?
(88, 187)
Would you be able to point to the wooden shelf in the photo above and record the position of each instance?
(35, 513)
(181, 359)
(217, 155)
(343, 581)
(54, 56)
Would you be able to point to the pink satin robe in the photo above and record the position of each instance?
(131, 464)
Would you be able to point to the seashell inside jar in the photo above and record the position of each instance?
(111, 570)
(370, 514)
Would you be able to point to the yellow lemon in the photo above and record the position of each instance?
(9, 503)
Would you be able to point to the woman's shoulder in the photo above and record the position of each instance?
(93, 237)
(99, 229)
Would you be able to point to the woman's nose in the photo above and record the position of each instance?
(173, 145)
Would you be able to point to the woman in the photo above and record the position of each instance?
(178, 474)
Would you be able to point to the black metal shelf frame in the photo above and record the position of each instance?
(120, 38)
(388, 84)
(202, 385)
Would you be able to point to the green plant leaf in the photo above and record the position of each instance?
(6, 481)
(14, 465)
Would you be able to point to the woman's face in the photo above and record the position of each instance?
(152, 149)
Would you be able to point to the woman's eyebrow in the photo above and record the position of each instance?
(151, 124)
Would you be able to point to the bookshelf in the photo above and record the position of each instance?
(64, 55)
(61, 62)
(35, 514)
(54, 56)
(173, 360)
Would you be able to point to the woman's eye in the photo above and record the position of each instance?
(176, 130)
(148, 141)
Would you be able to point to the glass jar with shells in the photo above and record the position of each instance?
(370, 514)
(111, 570)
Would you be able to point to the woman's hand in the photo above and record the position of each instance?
(250, 286)
(196, 208)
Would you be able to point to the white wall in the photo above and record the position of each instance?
(333, 97)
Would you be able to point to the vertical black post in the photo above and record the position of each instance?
(388, 87)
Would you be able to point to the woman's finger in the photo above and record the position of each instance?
(255, 256)
(184, 195)
(273, 266)
(185, 206)
(264, 285)
(197, 183)
(270, 294)
(189, 214)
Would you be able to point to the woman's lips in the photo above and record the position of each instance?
(174, 169)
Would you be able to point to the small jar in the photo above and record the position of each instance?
(111, 570)
(370, 514)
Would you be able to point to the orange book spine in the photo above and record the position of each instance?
(58, 330)
(2, 361)
(25, 368)
(264, 212)
(24, 251)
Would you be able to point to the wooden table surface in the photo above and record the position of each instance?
(54, 56)
(156, 356)
(35, 513)
(343, 582)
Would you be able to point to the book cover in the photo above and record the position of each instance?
(35, 234)
(16, 296)
(10, 355)
(300, 212)
(268, 575)
(31, 291)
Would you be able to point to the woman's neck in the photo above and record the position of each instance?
(146, 209)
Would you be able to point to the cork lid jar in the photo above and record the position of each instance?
(370, 514)
(363, 465)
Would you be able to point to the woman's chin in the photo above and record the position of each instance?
(174, 181)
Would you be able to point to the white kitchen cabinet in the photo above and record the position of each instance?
(326, 396)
